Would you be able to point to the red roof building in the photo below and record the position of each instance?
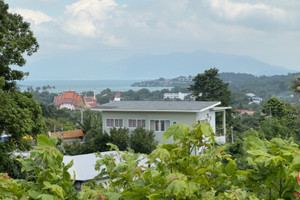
(91, 102)
(70, 100)
(249, 112)
(70, 136)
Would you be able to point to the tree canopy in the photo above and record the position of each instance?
(208, 87)
(16, 38)
(295, 86)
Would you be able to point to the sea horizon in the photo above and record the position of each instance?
(85, 85)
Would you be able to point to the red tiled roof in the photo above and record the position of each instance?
(249, 112)
(90, 102)
(92, 105)
(69, 134)
(90, 99)
(67, 97)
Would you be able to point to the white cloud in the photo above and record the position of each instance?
(36, 17)
(88, 17)
(246, 13)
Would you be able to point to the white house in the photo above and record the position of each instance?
(178, 95)
(159, 115)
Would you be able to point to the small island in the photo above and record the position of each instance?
(180, 81)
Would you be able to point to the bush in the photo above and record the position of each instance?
(142, 141)
(120, 138)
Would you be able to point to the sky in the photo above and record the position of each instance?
(117, 29)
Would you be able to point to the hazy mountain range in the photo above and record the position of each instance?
(79, 66)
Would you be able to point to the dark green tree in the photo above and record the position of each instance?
(20, 115)
(120, 137)
(16, 39)
(142, 141)
(209, 87)
(275, 108)
(295, 86)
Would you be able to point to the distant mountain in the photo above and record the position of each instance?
(82, 66)
(177, 64)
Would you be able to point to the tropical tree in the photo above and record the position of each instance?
(120, 137)
(275, 108)
(295, 86)
(208, 87)
(20, 113)
(16, 39)
(142, 141)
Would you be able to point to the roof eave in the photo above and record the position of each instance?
(210, 107)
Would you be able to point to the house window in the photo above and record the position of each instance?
(133, 123)
(159, 125)
(114, 122)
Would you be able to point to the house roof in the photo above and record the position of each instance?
(158, 106)
(249, 112)
(69, 134)
(90, 102)
(67, 97)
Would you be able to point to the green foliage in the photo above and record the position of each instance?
(190, 168)
(47, 175)
(142, 141)
(270, 128)
(91, 120)
(43, 96)
(174, 171)
(208, 87)
(16, 39)
(9, 164)
(275, 108)
(20, 115)
(120, 137)
(295, 86)
(95, 141)
(275, 165)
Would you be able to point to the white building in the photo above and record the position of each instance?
(174, 96)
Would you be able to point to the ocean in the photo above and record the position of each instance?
(85, 85)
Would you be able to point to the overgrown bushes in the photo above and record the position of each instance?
(140, 140)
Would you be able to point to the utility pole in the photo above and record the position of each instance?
(81, 116)
(232, 135)
(61, 133)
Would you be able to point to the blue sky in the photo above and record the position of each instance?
(117, 29)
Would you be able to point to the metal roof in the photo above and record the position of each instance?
(158, 106)
(84, 165)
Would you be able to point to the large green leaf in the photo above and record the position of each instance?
(230, 168)
(206, 130)
(176, 188)
(155, 196)
(177, 131)
(43, 140)
(47, 197)
(160, 153)
(114, 195)
(296, 160)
